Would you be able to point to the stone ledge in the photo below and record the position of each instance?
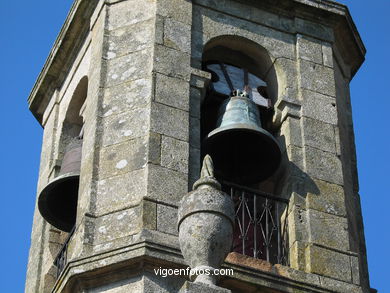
(252, 274)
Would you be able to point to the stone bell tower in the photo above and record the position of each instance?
(129, 97)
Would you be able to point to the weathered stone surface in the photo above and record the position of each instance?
(190, 287)
(153, 283)
(328, 230)
(309, 49)
(123, 158)
(120, 191)
(291, 132)
(328, 263)
(134, 284)
(126, 96)
(179, 10)
(149, 215)
(169, 121)
(165, 184)
(174, 154)
(329, 198)
(327, 54)
(177, 35)
(319, 135)
(320, 107)
(317, 78)
(172, 92)
(167, 219)
(118, 224)
(323, 165)
(278, 43)
(130, 12)
(125, 40)
(171, 62)
(125, 126)
(297, 222)
(129, 67)
(316, 30)
(297, 255)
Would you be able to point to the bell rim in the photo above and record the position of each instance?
(42, 201)
(218, 132)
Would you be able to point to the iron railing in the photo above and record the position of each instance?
(62, 256)
(260, 224)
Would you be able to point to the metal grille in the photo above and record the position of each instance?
(62, 257)
(261, 224)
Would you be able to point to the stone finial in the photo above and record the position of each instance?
(205, 223)
(207, 178)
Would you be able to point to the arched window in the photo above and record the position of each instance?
(241, 67)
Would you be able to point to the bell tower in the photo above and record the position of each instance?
(199, 134)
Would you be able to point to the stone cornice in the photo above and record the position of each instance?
(63, 52)
(76, 27)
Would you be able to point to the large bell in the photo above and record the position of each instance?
(57, 202)
(242, 151)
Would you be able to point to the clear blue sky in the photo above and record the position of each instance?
(28, 30)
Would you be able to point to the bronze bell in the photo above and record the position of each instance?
(57, 202)
(242, 151)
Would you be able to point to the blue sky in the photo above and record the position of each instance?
(28, 30)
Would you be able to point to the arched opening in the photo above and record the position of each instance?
(242, 67)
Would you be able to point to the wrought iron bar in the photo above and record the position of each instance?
(62, 256)
(260, 225)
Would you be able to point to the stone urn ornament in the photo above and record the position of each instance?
(205, 223)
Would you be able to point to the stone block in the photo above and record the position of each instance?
(319, 134)
(312, 29)
(169, 121)
(179, 10)
(328, 230)
(328, 263)
(126, 96)
(355, 269)
(297, 222)
(123, 158)
(309, 49)
(340, 286)
(154, 148)
(323, 165)
(278, 43)
(291, 132)
(129, 12)
(329, 198)
(317, 78)
(154, 283)
(129, 67)
(120, 191)
(130, 39)
(172, 62)
(165, 184)
(297, 255)
(320, 107)
(174, 154)
(177, 35)
(125, 126)
(190, 287)
(287, 72)
(149, 214)
(172, 92)
(167, 219)
(295, 156)
(327, 54)
(118, 224)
